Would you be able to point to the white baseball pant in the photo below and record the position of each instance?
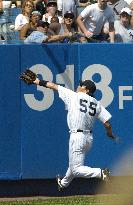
(79, 144)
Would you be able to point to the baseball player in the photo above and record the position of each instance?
(83, 109)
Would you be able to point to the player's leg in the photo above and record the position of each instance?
(79, 145)
(62, 183)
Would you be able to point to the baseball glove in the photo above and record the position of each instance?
(28, 77)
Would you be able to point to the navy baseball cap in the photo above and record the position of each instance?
(69, 14)
(90, 85)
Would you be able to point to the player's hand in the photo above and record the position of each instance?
(116, 139)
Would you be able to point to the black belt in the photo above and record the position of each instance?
(83, 131)
(79, 130)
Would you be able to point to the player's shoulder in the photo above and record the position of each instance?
(94, 100)
(64, 89)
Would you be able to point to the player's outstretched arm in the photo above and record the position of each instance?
(46, 84)
(110, 134)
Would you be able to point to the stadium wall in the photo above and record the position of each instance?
(33, 129)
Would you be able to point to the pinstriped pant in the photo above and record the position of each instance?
(79, 144)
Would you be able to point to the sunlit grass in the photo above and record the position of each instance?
(76, 200)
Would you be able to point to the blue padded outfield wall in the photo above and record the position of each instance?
(33, 130)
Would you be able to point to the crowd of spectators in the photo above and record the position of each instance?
(66, 21)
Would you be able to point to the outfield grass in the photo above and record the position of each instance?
(76, 200)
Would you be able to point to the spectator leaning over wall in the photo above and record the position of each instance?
(23, 18)
(92, 19)
(42, 35)
(123, 28)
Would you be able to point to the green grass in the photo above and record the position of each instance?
(76, 200)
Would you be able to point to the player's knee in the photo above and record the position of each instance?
(75, 171)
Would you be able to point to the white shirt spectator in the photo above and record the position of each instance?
(20, 21)
(95, 18)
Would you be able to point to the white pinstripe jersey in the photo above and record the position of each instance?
(82, 109)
